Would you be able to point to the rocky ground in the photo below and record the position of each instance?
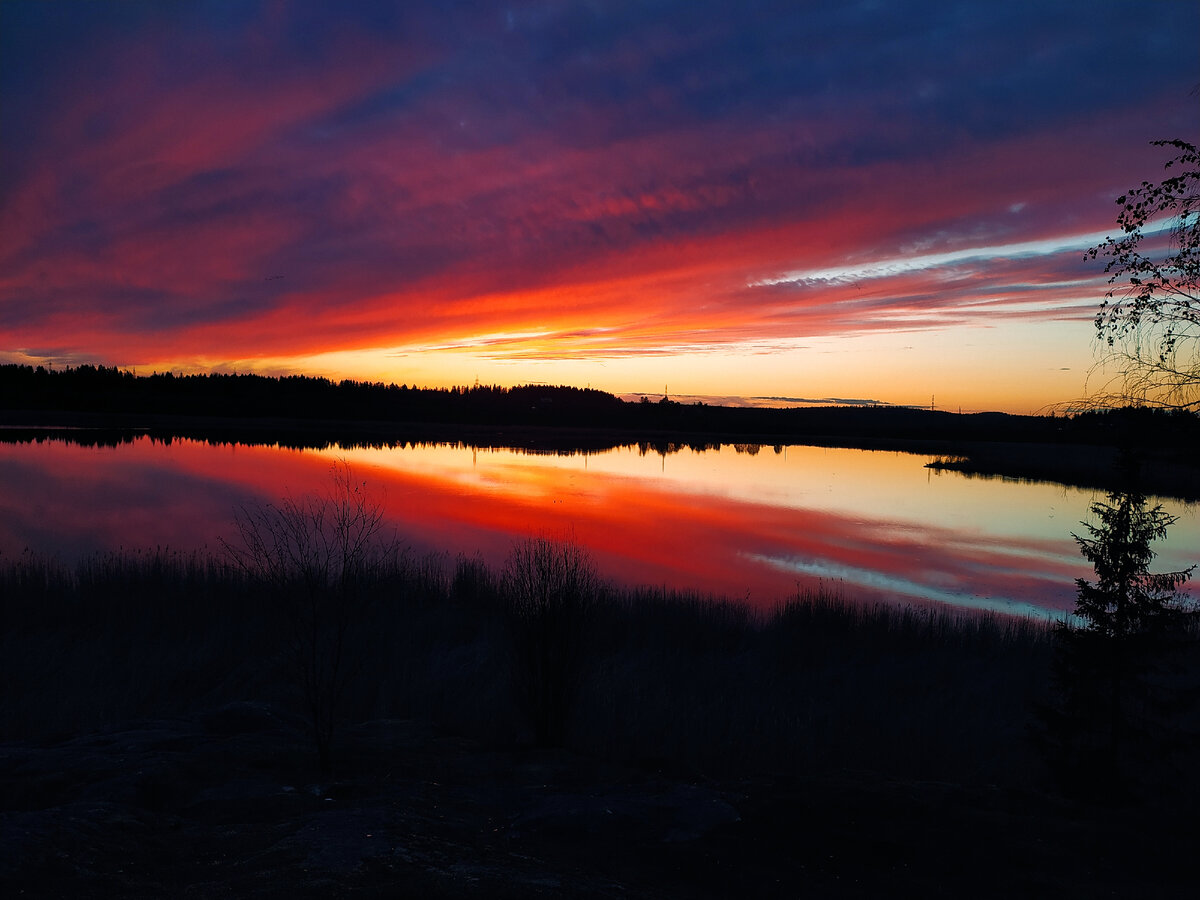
(226, 805)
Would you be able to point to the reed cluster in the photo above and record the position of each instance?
(697, 684)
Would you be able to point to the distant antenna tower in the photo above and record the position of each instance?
(931, 396)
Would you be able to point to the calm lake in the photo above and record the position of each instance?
(746, 522)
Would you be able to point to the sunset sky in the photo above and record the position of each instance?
(872, 201)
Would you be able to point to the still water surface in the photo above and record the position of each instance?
(750, 525)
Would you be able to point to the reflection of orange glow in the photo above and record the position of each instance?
(718, 522)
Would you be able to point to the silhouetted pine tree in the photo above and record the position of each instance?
(1116, 699)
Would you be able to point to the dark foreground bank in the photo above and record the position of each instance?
(157, 741)
(224, 805)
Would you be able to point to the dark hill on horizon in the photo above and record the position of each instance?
(104, 391)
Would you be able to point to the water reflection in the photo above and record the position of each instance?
(744, 524)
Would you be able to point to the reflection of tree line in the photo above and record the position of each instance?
(103, 437)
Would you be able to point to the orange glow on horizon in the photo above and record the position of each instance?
(398, 208)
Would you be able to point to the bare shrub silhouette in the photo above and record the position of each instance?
(473, 583)
(549, 588)
(318, 557)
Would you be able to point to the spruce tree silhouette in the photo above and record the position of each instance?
(1112, 709)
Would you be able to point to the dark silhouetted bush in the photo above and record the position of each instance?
(319, 559)
(549, 588)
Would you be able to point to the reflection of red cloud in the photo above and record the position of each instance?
(78, 500)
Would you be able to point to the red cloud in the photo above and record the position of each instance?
(160, 208)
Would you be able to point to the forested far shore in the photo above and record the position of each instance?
(93, 390)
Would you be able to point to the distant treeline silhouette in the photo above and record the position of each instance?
(306, 399)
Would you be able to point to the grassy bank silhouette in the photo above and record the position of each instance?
(690, 684)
